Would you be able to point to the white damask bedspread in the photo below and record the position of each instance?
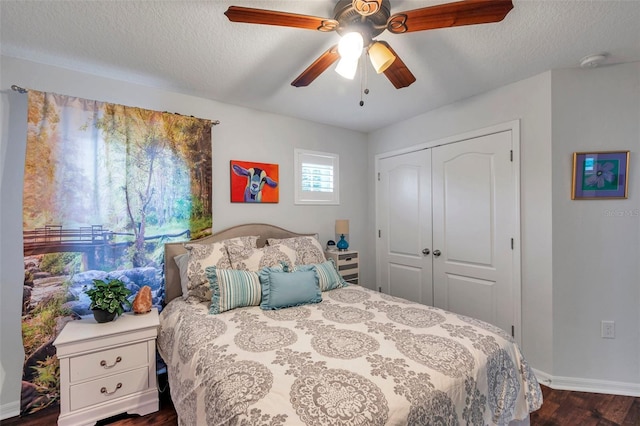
(357, 358)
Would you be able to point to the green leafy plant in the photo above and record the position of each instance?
(111, 296)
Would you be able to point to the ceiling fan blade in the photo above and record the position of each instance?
(284, 19)
(317, 67)
(466, 12)
(398, 73)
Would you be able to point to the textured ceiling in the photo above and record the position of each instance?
(191, 47)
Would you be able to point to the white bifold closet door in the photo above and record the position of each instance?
(404, 215)
(446, 218)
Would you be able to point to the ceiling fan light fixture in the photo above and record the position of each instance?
(380, 56)
(366, 7)
(347, 68)
(351, 45)
(371, 18)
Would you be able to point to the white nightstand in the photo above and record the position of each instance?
(347, 263)
(107, 369)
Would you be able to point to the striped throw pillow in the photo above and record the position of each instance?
(327, 274)
(233, 288)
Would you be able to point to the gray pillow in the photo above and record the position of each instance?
(182, 260)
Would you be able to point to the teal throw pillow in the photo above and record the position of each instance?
(282, 289)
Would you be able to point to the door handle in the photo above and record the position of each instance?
(426, 251)
(436, 253)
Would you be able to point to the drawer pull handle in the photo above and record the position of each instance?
(104, 390)
(103, 363)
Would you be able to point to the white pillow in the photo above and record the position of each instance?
(308, 249)
(215, 254)
(257, 258)
(240, 246)
(201, 256)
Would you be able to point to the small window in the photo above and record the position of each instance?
(317, 177)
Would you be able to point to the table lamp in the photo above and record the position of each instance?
(342, 227)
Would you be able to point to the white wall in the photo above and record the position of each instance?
(528, 101)
(243, 134)
(596, 242)
(11, 277)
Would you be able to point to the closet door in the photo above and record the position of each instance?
(474, 216)
(404, 226)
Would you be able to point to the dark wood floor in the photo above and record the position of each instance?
(586, 409)
(560, 408)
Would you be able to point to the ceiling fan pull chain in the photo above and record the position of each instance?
(363, 80)
(362, 76)
(366, 75)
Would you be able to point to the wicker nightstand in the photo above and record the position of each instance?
(347, 262)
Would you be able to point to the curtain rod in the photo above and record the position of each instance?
(19, 89)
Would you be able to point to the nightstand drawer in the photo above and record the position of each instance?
(109, 361)
(346, 266)
(348, 257)
(108, 388)
(351, 278)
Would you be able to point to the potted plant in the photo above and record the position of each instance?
(108, 299)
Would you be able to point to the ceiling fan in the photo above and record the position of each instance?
(359, 21)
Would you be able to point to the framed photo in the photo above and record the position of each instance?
(253, 182)
(598, 175)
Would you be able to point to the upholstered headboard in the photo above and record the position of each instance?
(171, 250)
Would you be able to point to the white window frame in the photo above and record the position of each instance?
(316, 197)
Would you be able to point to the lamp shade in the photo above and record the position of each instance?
(347, 68)
(342, 226)
(351, 45)
(380, 56)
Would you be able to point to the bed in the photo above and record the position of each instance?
(357, 357)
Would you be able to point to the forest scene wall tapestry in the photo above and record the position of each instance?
(105, 187)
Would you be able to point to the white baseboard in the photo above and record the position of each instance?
(587, 385)
(11, 409)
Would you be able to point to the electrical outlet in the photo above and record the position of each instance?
(608, 329)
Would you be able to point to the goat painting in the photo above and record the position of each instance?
(254, 182)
